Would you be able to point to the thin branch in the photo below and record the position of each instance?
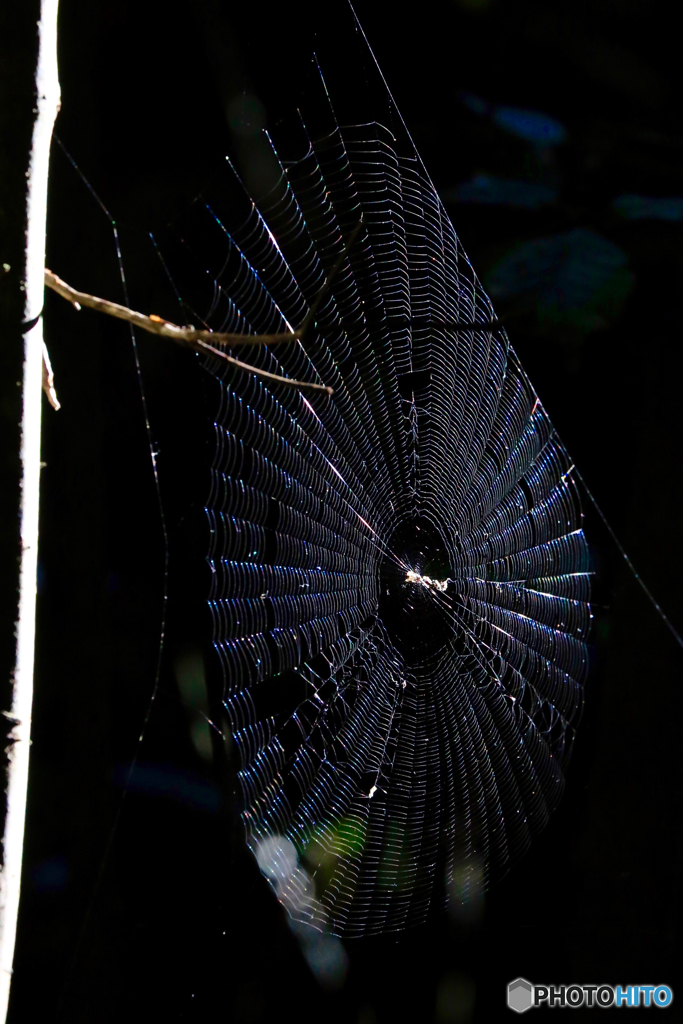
(157, 325)
(300, 385)
(49, 380)
(199, 341)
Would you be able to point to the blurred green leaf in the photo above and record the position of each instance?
(634, 207)
(531, 125)
(578, 278)
(491, 190)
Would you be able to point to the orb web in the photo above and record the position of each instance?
(400, 578)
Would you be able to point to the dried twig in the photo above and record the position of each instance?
(199, 340)
(155, 324)
(49, 380)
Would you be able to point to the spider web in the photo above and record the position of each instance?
(400, 578)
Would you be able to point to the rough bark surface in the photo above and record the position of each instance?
(18, 108)
(29, 100)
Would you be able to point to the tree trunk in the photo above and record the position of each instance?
(29, 100)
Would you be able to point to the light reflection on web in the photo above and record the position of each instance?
(400, 576)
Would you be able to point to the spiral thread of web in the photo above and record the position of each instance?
(383, 780)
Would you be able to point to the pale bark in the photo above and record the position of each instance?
(44, 110)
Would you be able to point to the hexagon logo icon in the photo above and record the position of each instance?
(520, 995)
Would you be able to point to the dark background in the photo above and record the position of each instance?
(145, 906)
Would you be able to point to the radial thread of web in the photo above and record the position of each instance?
(399, 743)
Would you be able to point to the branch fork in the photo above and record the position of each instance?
(198, 340)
